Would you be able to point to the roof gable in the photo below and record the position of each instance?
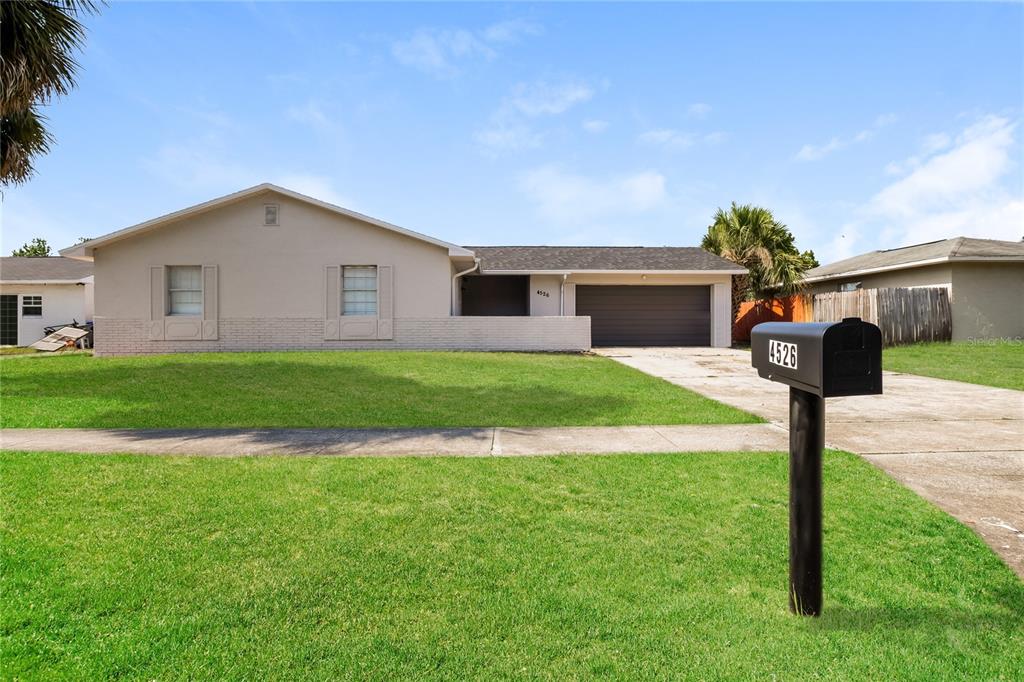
(85, 249)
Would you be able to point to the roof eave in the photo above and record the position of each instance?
(630, 271)
(915, 264)
(22, 282)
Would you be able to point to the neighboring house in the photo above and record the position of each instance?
(984, 277)
(268, 268)
(37, 292)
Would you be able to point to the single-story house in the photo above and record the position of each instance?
(269, 268)
(38, 292)
(984, 277)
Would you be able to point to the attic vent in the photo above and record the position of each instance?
(270, 216)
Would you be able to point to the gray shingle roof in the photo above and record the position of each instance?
(577, 258)
(42, 269)
(953, 249)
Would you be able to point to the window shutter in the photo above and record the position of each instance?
(157, 301)
(210, 302)
(385, 302)
(332, 302)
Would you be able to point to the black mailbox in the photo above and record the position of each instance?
(828, 359)
(817, 360)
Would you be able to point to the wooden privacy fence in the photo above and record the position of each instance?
(903, 315)
(787, 309)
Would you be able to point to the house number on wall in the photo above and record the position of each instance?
(541, 292)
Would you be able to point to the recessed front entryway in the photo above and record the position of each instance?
(646, 315)
(502, 295)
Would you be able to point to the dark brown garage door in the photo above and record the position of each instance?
(646, 315)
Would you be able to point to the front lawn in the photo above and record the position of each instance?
(339, 389)
(990, 363)
(623, 567)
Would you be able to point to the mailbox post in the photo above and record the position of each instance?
(817, 360)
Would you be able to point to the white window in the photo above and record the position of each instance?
(270, 214)
(31, 306)
(359, 290)
(184, 290)
(850, 286)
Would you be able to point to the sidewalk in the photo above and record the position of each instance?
(479, 442)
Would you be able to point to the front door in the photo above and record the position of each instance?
(9, 320)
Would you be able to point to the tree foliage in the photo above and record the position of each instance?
(750, 236)
(37, 247)
(38, 40)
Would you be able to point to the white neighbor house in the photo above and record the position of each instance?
(42, 292)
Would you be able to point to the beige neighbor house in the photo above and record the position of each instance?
(984, 277)
(42, 292)
(268, 268)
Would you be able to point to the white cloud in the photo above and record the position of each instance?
(317, 186)
(666, 137)
(566, 197)
(506, 136)
(313, 115)
(511, 31)
(203, 167)
(509, 128)
(309, 113)
(199, 165)
(436, 51)
(699, 110)
(929, 145)
(595, 126)
(959, 189)
(810, 152)
(544, 98)
(676, 140)
(440, 51)
(936, 142)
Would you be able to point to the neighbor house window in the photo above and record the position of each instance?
(359, 290)
(850, 286)
(31, 306)
(184, 290)
(270, 214)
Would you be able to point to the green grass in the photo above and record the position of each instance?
(335, 389)
(621, 567)
(990, 363)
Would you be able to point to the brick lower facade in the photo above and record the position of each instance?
(129, 337)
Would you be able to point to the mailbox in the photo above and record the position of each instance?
(828, 359)
(817, 360)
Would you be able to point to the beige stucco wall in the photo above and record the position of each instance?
(271, 271)
(545, 295)
(927, 276)
(62, 303)
(988, 301)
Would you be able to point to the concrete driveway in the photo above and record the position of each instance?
(959, 445)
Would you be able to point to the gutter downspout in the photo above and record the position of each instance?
(455, 279)
(561, 296)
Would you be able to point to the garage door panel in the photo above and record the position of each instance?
(646, 315)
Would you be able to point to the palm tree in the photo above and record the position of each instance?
(37, 41)
(750, 236)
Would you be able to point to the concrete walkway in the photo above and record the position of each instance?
(959, 445)
(480, 442)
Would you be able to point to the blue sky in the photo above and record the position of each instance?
(861, 126)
